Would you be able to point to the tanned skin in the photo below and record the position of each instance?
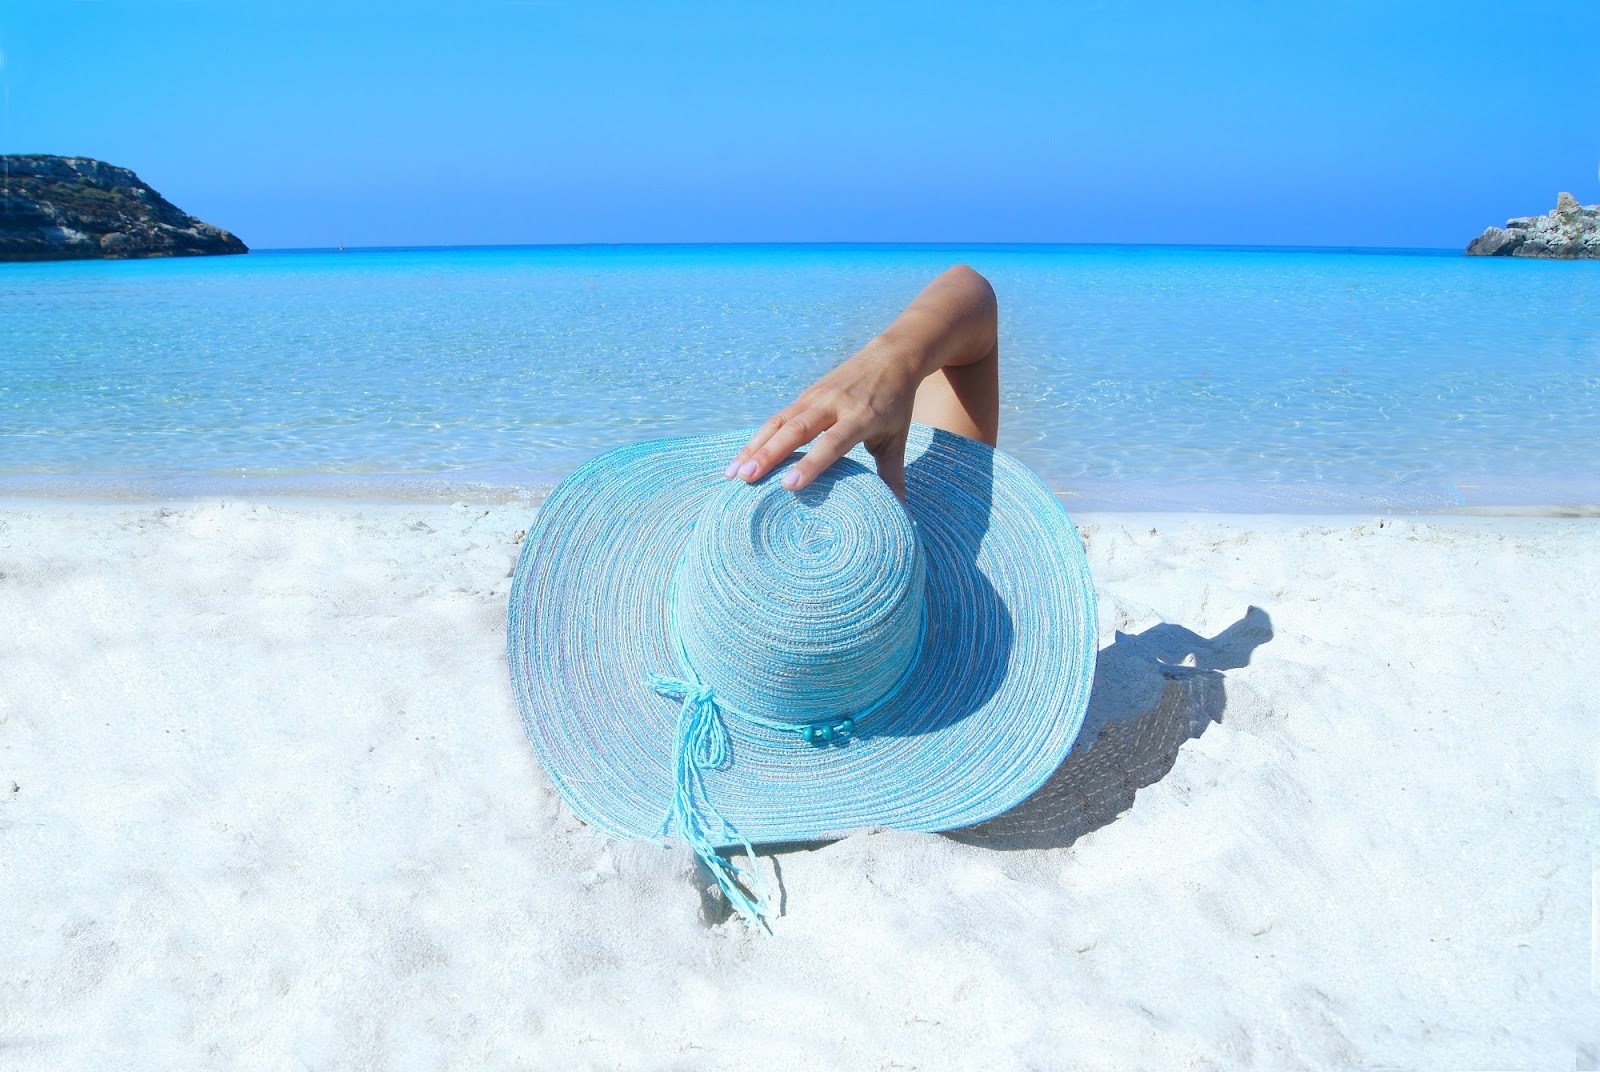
(938, 364)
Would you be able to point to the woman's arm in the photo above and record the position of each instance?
(938, 363)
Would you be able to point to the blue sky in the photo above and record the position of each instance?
(487, 121)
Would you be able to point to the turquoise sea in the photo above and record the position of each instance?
(1133, 377)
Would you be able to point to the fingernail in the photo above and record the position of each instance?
(747, 470)
(733, 467)
(790, 479)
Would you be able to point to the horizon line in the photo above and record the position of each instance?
(928, 245)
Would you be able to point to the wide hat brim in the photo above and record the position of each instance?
(989, 711)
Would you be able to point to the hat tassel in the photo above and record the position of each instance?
(701, 743)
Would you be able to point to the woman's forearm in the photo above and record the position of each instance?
(953, 322)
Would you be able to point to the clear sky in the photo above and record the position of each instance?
(489, 121)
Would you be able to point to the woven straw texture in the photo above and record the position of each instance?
(975, 701)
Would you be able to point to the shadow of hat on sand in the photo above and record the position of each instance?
(1152, 691)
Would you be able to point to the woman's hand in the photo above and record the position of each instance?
(952, 326)
(868, 399)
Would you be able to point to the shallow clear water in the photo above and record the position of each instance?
(1132, 376)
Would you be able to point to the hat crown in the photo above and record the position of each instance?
(802, 606)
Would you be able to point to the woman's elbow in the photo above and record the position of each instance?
(976, 294)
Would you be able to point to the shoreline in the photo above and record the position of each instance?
(1486, 498)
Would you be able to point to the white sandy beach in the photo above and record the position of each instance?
(265, 802)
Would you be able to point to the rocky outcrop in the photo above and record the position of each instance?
(1572, 230)
(55, 208)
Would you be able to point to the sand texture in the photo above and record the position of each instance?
(265, 803)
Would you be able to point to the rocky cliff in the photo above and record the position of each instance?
(1572, 230)
(65, 208)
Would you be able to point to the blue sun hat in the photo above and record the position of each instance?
(733, 664)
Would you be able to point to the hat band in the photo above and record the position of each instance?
(700, 743)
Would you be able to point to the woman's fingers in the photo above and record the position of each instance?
(786, 433)
(829, 447)
(764, 433)
(795, 432)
